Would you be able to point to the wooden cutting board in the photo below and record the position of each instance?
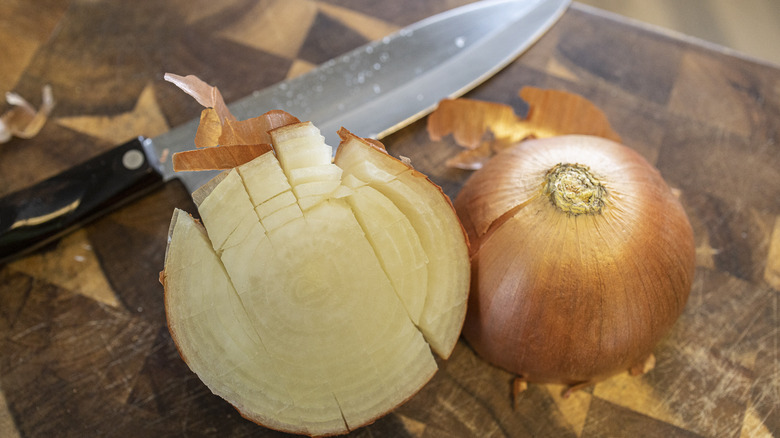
(84, 350)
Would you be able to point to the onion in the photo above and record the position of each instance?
(485, 128)
(315, 292)
(23, 120)
(582, 259)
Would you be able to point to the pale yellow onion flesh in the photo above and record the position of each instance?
(313, 293)
(559, 297)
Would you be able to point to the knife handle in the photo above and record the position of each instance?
(44, 212)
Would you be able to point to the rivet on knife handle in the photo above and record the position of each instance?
(37, 215)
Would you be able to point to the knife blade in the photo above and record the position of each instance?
(373, 90)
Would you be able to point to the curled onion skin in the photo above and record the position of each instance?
(573, 296)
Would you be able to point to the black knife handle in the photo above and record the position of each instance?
(44, 212)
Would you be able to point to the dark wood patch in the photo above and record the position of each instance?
(622, 58)
(327, 39)
(608, 420)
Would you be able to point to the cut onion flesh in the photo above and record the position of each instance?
(314, 290)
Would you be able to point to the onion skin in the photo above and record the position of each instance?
(561, 297)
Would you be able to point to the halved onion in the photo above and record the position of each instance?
(315, 291)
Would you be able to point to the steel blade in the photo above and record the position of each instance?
(383, 86)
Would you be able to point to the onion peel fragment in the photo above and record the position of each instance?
(23, 120)
(218, 157)
(206, 95)
(256, 129)
(221, 141)
(345, 135)
(485, 128)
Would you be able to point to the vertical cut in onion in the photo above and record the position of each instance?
(315, 292)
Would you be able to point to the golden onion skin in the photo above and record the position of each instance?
(572, 296)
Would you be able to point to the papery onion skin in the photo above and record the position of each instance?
(561, 297)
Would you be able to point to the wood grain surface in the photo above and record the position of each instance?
(84, 350)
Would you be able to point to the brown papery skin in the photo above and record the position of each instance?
(573, 299)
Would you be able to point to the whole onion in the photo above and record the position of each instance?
(582, 259)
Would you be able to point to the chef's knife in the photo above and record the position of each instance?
(373, 90)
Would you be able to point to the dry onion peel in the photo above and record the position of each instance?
(23, 120)
(213, 132)
(218, 157)
(222, 141)
(314, 290)
(486, 128)
(582, 256)
(206, 95)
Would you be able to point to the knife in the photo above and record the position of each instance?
(373, 90)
